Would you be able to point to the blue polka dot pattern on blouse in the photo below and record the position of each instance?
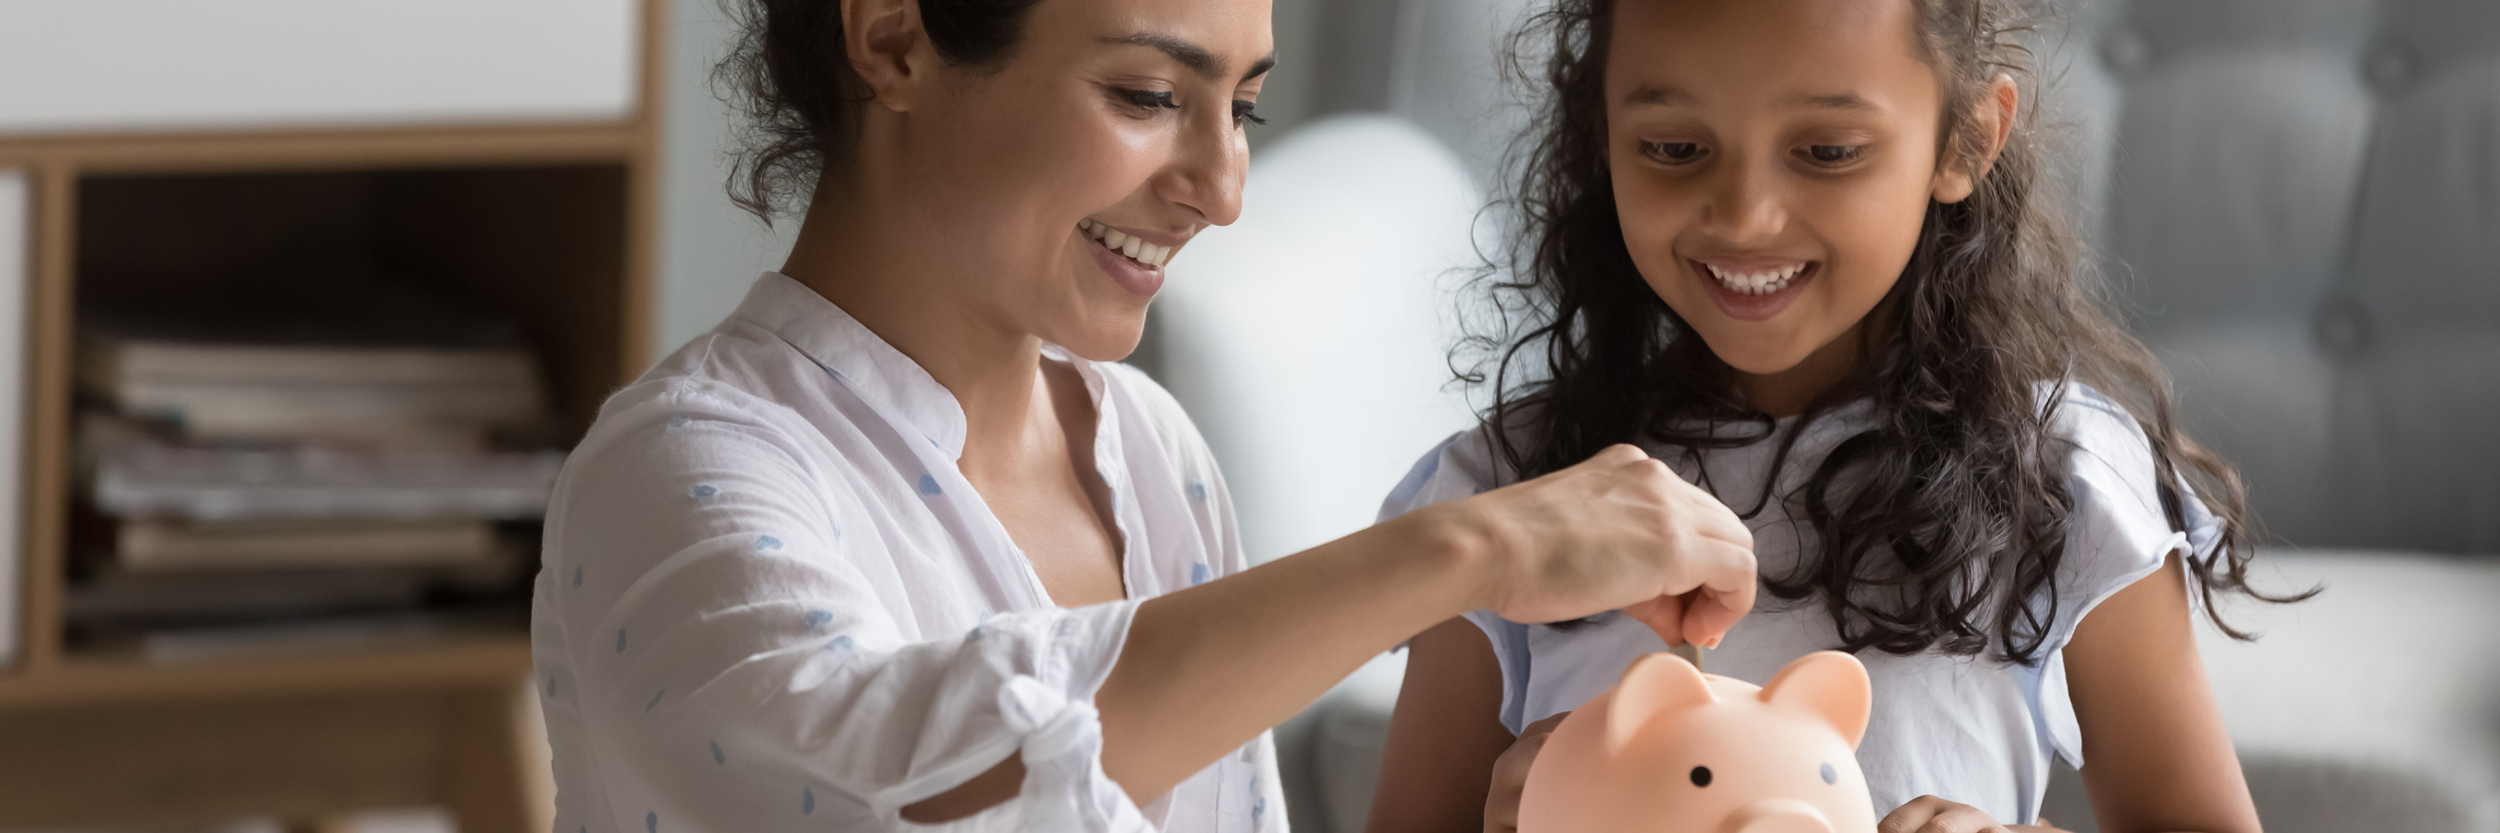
(651, 822)
(702, 491)
(551, 686)
(767, 542)
(1830, 776)
(620, 640)
(1197, 493)
(928, 485)
(807, 802)
(655, 700)
(841, 643)
(1199, 574)
(717, 757)
(816, 619)
(678, 421)
(577, 576)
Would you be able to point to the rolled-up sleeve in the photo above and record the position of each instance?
(729, 627)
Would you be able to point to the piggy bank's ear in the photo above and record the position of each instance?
(1654, 684)
(1827, 683)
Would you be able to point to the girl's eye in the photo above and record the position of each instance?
(1149, 99)
(1834, 154)
(1673, 153)
(1246, 113)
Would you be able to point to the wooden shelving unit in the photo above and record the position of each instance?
(550, 224)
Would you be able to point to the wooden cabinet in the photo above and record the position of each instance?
(504, 148)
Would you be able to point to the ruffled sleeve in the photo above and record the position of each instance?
(2117, 535)
(732, 649)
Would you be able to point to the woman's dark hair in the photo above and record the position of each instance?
(790, 76)
(1963, 541)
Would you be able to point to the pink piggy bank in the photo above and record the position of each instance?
(1672, 750)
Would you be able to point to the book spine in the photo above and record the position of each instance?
(16, 277)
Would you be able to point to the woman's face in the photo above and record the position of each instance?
(1772, 162)
(1064, 179)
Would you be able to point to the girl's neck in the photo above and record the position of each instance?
(1789, 392)
(865, 262)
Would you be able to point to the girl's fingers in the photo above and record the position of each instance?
(1929, 814)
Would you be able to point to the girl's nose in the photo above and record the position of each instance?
(1745, 206)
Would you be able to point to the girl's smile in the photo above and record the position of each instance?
(1753, 292)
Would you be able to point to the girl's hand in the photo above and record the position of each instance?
(1929, 814)
(1620, 531)
(1510, 775)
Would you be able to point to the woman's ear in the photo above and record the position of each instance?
(888, 49)
(1993, 118)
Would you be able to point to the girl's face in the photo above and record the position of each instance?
(1772, 162)
(1064, 179)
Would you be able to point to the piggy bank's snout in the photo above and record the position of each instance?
(1777, 815)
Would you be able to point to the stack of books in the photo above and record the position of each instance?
(263, 491)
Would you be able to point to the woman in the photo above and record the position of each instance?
(896, 544)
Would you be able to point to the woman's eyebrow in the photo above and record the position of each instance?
(1191, 55)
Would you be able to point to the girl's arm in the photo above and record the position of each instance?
(2156, 756)
(1444, 736)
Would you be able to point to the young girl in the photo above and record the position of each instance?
(1797, 249)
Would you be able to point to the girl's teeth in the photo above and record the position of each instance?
(1114, 240)
(1757, 283)
(1130, 248)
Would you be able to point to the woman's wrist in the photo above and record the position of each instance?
(1464, 547)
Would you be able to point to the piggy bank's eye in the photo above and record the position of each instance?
(1701, 776)
(1830, 775)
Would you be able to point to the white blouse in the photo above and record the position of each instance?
(770, 601)
(1968, 729)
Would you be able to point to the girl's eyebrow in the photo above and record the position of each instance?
(1191, 55)
(1836, 101)
(1651, 95)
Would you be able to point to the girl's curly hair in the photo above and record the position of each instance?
(1970, 529)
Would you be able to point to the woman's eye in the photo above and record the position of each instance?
(1246, 113)
(1672, 152)
(1834, 154)
(1150, 99)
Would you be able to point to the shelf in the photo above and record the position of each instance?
(472, 662)
(331, 150)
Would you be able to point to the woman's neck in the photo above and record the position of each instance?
(866, 263)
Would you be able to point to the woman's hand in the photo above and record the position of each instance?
(1510, 775)
(1929, 814)
(1620, 531)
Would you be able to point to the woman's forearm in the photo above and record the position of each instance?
(1209, 668)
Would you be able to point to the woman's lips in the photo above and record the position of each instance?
(1138, 278)
(1744, 306)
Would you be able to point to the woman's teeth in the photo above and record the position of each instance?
(1757, 283)
(1137, 250)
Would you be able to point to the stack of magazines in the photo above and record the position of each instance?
(243, 495)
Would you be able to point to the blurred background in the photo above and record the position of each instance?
(313, 295)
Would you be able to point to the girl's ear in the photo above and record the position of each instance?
(1993, 116)
(888, 49)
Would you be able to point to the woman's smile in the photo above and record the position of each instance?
(1133, 259)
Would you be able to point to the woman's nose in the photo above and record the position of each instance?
(1210, 162)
